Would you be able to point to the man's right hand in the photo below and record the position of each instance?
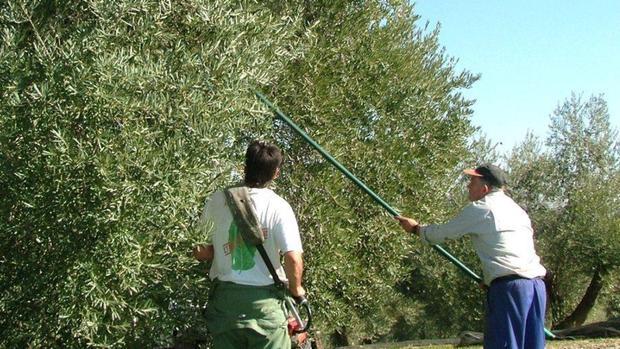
(300, 299)
(408, 224)
(297, 292)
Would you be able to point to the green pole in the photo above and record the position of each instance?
(364, 187)
(359, 183)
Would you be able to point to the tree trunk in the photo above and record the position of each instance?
(580, 314)
(553, 297)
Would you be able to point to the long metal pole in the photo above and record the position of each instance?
(365, 188)
(359, 183)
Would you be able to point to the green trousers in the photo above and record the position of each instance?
(247, 317)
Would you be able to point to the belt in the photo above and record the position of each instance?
(511, 277)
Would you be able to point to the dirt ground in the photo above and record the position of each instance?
(585, 344)
(602, 343)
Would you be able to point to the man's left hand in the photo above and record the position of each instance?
(204, 253)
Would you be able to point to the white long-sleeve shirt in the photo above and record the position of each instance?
(501, 233)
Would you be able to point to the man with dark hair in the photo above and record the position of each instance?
(246, 310)
(262, 164)
(502, 235)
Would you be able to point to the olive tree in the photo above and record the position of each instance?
(116, 121)
(118, 118)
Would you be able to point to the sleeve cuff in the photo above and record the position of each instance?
(422, 235)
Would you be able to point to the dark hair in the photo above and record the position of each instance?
(261, 161)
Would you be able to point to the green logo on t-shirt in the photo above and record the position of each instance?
(242, 255)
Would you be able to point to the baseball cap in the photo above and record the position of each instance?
(490, 173)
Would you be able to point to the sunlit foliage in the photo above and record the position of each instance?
(117, 119)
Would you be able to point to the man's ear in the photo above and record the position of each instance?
(277, 174)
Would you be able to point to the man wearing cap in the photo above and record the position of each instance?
(502, 235)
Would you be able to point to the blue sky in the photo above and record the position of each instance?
(531, 55)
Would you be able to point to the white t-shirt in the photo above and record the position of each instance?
(501, 233)
(236, 262)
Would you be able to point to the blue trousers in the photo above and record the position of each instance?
(515, 315)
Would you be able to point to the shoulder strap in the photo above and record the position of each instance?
(239, 202)
(240, 205)
(272, 270)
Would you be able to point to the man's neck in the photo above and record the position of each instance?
(256, 186)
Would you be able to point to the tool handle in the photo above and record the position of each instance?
(306, 305)
(304, 326)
